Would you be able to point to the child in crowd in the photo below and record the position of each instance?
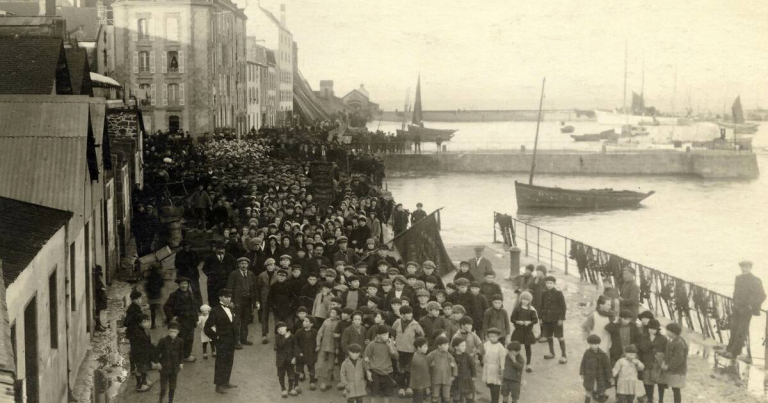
(463, 388)
(298, 322)
(595, 371)
(645, 318)
(205, 310)
(451, 292)
(420, 380)
(306, 341)
(326, 348)
(442, 370)
(169, 358)
(142, 352)
(552, 318)
(478, 306)
(309, 291)
(378, 358)
(496, 316)
(285, 359)
(352, 374)
(154, 288)
(344, 323)
(624, 325)
(493, 363)
(489, 288)
(513, 373)
(523, 318)
(626, 373)
(407, 330)
(322, 304)
(353, 334)
(474, 345)
(432, 322)
(132, 324)
(464, 272)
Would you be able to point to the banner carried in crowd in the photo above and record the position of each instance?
(423, 242)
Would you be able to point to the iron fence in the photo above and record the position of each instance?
(699, 309)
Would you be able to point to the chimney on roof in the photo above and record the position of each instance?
(282, 16)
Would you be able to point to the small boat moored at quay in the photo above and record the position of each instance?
(541, 197)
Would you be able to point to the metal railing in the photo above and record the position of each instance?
(699, 309)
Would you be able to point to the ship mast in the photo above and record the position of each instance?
(624, 106)
(536, 142)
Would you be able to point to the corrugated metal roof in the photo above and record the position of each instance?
(24, 229)
(49, 171)
(26, 116)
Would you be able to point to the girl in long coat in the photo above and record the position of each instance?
(523, 318)
(652, 347)
(675, 365)
(596, 370)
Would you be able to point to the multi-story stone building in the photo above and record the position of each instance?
(256, 61)
(264, 25)
(185, 62)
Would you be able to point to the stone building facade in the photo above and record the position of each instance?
(185, 62)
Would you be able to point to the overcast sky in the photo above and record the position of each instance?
(492, 54)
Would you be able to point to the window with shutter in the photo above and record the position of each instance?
(181, 94)
(142, 29)
(165, 94)
(181, 61)
(152, 62)
(153, 97)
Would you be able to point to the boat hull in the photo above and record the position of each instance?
(428, 135)
(740, 128)
(618, 119)
(541, 197)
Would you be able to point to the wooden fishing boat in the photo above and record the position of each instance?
(605, 135)
(739, 125)
(533, 197)
(417, 129)
(567, 129)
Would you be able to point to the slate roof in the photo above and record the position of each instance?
(79, 71)
(24, 229)
(29, 65)
(24, 8)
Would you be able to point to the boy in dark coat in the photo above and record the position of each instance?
(132, 323)
(512, 378)
(141, 352)
(489, 288)
(595, 371)
(285, 359)
(279, 300)
(477, 308)
(306, 342)
(309, 291)
(552, 317)
(170, 352)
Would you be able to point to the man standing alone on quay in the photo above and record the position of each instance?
(479, 265)
(221, 329)
(748, 297)
(242, 283)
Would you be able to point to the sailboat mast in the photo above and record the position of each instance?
(536, 142)
(405, 108)
(624, 106)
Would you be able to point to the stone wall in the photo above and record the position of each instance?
(707, 165)
(121, 123)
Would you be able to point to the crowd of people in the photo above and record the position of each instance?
(344, 312)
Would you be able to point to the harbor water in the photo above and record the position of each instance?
(692, 228)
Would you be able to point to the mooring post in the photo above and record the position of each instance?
(514, 262)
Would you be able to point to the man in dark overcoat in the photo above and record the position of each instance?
(183, 308)
(748, 297)
(245, 296)
(217, 267)
(187, 262)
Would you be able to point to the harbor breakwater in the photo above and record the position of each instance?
(708, 165)
(459, 115)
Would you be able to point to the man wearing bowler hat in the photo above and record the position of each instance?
(182, 307)
(245, 296)
(221, 328)
(748, 297)
(217, 267)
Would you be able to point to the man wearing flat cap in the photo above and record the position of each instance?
(345, 254)
(245, 296)
(629, 295)
(748, 297)
(419, 214)
(221, 328)
(479, 265)
(182, 307)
